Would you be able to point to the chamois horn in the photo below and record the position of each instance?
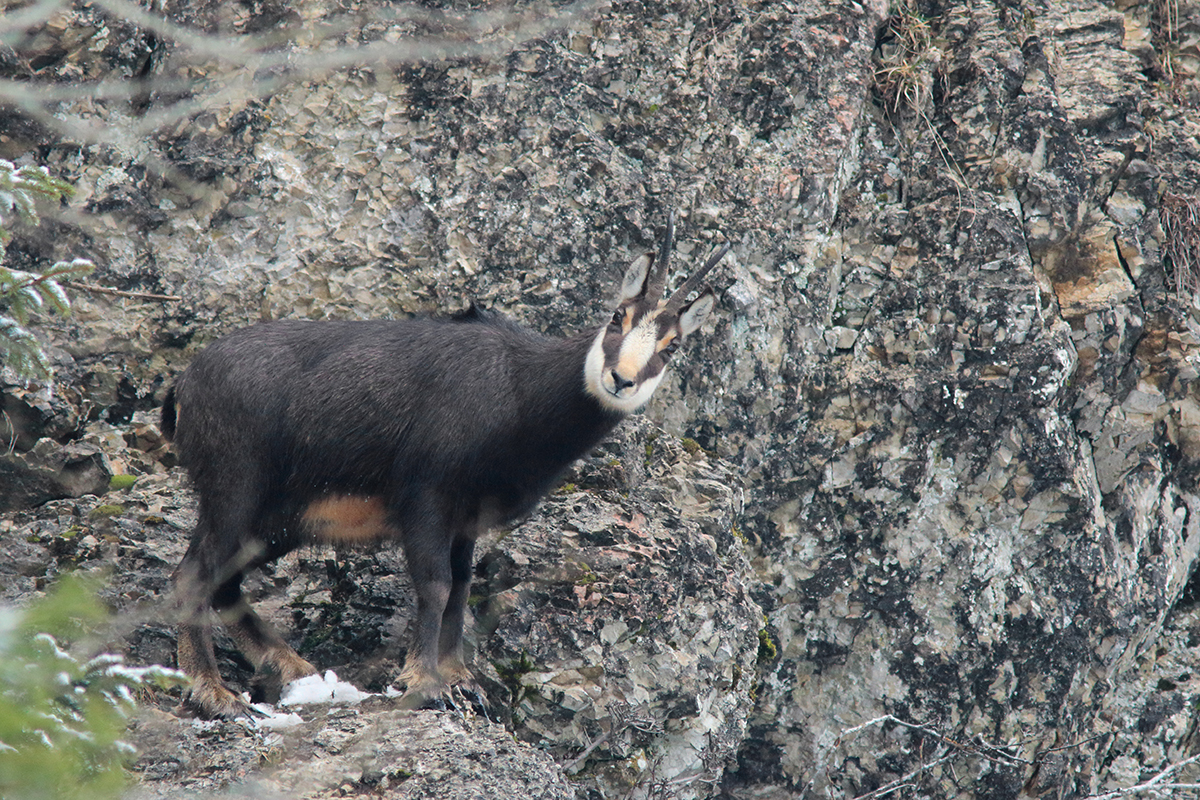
(658, 281)
(693, 282)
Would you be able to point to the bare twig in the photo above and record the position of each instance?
(586, 752)
(89, 287)
(1043, 753)
(249, 67)
(1156, 785)
(12, 434)
(978, 746)
(906, 780)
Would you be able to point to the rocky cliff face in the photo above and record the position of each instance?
(943, 432)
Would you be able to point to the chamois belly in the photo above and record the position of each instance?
(348, 519)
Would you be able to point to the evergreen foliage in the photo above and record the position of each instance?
(61, 717)
(23, 293)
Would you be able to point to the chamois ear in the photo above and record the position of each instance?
(637, 278)
(694, 313)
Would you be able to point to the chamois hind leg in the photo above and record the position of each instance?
(208, 696)
(204, 567)
(451, 665)
(208, 580)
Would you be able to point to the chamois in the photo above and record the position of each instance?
(426, 431)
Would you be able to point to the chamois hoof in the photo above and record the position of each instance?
(424, 698)
(461, 698)
(469, 695)
(269, 680)
(214, 702)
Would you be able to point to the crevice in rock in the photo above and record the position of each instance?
(1125, 266)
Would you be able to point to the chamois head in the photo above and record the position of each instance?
(629, 355)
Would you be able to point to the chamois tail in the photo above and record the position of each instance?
(168, 415)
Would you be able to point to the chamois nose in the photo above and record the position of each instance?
(619, 383)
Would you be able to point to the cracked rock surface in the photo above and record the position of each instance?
(916, 510)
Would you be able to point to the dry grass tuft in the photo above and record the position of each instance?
(1180, 220)
(905, 58)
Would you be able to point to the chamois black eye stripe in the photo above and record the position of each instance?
(653, 367)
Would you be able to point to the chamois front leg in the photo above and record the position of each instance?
(451, 665)
(274, 660)
(440, 555)
(430, 570)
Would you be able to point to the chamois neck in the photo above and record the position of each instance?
(560, 365)
(568, 419)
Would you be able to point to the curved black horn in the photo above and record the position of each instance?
(659, 279)
(681, 294)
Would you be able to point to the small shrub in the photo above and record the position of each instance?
(61, 716)
(905, 59)
(767, 650)
(1180, 219)
(23, 294)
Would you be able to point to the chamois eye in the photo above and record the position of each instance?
(618, 318)
(671, 348)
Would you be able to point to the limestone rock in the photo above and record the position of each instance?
(384, 753)
(948, 395)
(627, 640)
(49, 471)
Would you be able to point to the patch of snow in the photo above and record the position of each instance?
(321, 689)
(274, 720)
